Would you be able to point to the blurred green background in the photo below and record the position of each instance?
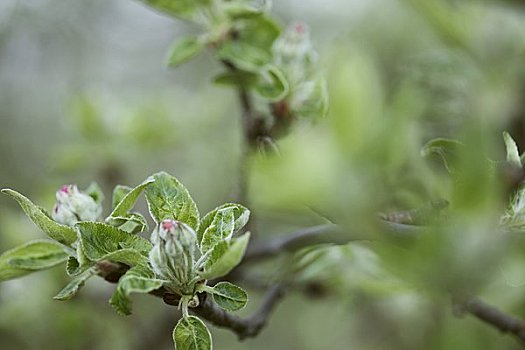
(84, 96)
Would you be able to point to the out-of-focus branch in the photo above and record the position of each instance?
(320, 234)
(494, 317)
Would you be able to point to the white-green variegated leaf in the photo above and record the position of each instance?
(191, 333)
(229, 296)
(224, 257)
(71, 289)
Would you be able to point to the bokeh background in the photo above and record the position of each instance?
(84, 96)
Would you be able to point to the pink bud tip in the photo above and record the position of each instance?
(168, 224)
(300, 27)
(66, 189)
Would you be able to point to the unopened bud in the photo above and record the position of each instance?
(173, 253)
(73, 206)
(294, 46)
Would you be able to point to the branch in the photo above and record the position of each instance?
(320, 234)
(494, 317)
(244, 327)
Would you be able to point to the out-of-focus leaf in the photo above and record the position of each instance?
(184, 50)
(30, 257)
(446, 149)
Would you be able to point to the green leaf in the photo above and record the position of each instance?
(184, 50)
(119, 192)
(191, 333)
(138, 279)
(127, 202)
(244, 56)
(446, 149)
(169, 199)
(95, 192)
(220, 229)
(513, 155)
(260, 32)
(229, 296)
(240, 213)
(61, 233)
(131, 222)
(72, 266)
(272, 84)
(236, 10)
(33, 256)
(236, 78)
(71, 289)
(224, 257)
(130, 257)
(184, 9)
(98, 240)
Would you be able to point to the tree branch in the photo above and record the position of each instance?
(244, 327)
(320, 234)
(494, 317)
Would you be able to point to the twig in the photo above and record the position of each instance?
(494, 317)
(244, 327)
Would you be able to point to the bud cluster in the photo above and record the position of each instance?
(294, 54)
(73, 206)
(173, 254)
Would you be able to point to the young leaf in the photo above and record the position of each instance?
(184, 9)
(244, 56)
(72, 266)
(224, 257)
(236, 78)
(33, 256)
(229, 296)
(95, 192)
(71, 289)
(240, 213)
(138, 279)
(185, 50)
(191, 333)
(98, 240)
(130, 257)
(119, 192)
(131, 222)
(61, 233)
(272, 84)
(128, 200)
(169, 199)
(220, 229)
(513, 155)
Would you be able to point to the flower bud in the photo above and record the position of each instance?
(173, 253)
(73, 206)
(294, 47)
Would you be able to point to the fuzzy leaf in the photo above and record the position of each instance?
(224, 257)
(220, 229)
(30, 257)
(119, 192)
(138, 279)
(513, 155)
(128, 200)
(241, 215)
(61, 233)
(95, 192)
(98, 240)
(244, 56)
(191, 333)
(169, 199)
(229, 296)
(184, 50)
(131, 222)
(71, 289)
